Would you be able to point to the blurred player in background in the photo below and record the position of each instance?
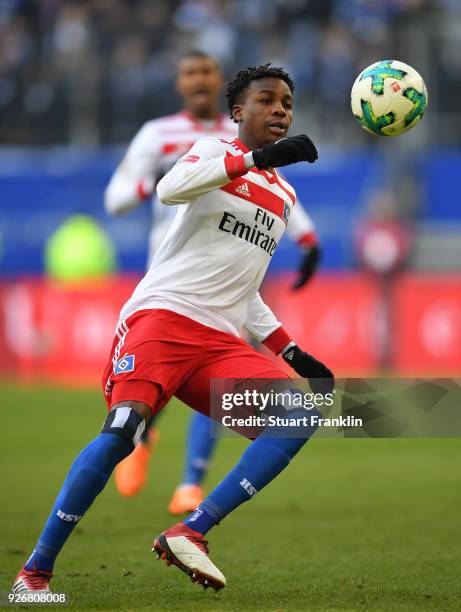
(152, 153)
(180, 328)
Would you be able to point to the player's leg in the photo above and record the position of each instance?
(264, 459)
(87, 477)
(266, 456)
(184, 544)
(201, 443)
(142, 374)
(202, 437)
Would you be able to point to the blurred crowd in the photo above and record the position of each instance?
(91, 71)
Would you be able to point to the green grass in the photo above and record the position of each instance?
(350, 525)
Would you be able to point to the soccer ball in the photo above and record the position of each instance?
(388, 98)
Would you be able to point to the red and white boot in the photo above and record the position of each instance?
(188, 550)
(32, 581)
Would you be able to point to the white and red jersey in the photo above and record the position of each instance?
(151, 154)
(211, 262)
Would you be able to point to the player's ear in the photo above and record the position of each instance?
(237, 112)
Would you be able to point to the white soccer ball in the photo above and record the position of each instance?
(388, 98)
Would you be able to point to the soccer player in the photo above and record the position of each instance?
(152, 153)
(180, 328)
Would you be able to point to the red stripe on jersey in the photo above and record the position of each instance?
(282, 186)
(176, 147)
(275, 178)
(238, 144)
(271, 178)
(235, 166)
(254, 193)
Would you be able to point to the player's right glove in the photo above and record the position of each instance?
(308, 266)
(288, 150)
(321, 378)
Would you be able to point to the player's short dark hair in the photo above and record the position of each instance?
(243, 78)
(197, 54)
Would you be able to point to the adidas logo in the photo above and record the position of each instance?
(243, 189)
(289, 355)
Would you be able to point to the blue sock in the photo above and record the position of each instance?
(200, 446)
(261, 462)
(86, 479)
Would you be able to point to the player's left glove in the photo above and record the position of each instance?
(321, 378)
(308, 266)
(286, 151)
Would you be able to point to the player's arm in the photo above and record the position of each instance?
(134, 179)
(206, 166)
(301, 230)
(264, 326)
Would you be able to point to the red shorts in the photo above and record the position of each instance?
(159, 348)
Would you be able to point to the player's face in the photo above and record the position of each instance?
(199, 82)
(266, 112)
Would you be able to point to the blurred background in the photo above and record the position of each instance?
(78, 79)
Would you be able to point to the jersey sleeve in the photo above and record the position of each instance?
(205, 167)
(264, 326)
(134, 179)
(300, 226)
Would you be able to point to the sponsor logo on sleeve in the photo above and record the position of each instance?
(286, 212)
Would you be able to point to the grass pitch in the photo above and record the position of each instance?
(350, 525)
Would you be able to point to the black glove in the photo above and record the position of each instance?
(308, 266)
(321, 378)
(285, 151)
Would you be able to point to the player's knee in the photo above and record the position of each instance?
(142, 409)
(126, 422)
